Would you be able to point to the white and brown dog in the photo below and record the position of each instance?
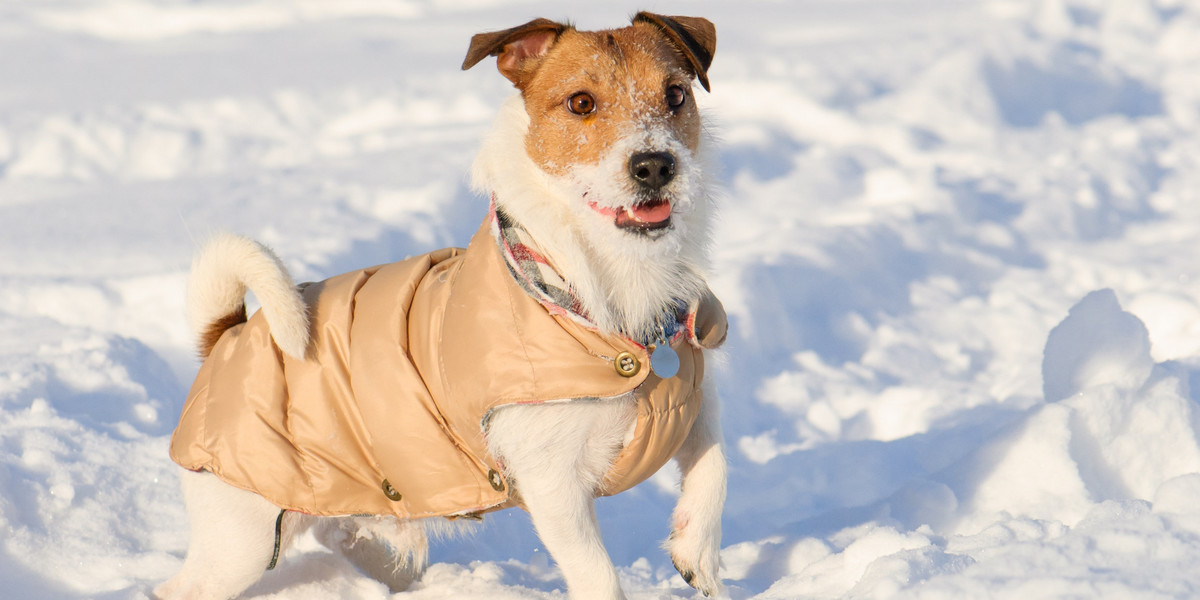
(557, 358)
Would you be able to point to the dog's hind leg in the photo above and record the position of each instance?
(392, 551)
(695, 541)
(232, 540)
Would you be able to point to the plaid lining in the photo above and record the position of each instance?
(530, 268)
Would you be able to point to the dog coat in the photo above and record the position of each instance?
(387, 413)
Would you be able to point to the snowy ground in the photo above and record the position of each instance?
(959, 244)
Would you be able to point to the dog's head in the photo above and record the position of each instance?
(611, 114)
(601, 159)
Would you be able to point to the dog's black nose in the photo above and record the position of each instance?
(652, 169)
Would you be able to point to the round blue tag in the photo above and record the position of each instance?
(664, 361)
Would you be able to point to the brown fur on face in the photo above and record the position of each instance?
(626, 72)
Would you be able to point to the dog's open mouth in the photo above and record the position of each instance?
(643, 216)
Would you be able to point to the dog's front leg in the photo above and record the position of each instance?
(695, 541)
(555, 456)
(565, 519)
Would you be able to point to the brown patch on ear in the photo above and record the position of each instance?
(213, 332)
(695, 37)
(515, 48)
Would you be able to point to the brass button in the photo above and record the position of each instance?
(496, 481)
(391, 492)
(627, 364)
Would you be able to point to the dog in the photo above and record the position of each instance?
(559, 357)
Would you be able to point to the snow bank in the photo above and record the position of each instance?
(1118, 427)
(87, 499)
(1098, 477)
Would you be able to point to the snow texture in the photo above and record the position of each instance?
(959, 244)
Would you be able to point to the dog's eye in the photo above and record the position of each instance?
(581, 103)
(676, 96)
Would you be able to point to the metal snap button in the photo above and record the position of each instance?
(390, 492)
(626, 364)
(496, 481)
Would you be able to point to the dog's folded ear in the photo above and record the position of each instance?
(515, 48)
(695, 37)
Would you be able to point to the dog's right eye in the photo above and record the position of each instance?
(581, 103)
(676, 96)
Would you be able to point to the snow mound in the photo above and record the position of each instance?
(1106, 470)
(1097, 344)
(1118, 426)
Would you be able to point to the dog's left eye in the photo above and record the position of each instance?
(676, 96)
(581, 103)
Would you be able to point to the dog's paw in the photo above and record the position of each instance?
(706, 583)
(695, 552)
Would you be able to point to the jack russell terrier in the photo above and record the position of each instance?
(559, 357)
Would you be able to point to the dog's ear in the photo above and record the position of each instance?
(516, 49)
(695, 37)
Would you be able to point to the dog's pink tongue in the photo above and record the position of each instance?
(654, 211)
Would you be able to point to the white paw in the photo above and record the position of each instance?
(695, 551)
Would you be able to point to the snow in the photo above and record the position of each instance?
(958, 242)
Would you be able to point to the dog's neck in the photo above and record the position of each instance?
(631, 289)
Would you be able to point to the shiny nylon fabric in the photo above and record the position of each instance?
(406, 362)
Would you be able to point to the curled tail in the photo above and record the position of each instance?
(224, 269)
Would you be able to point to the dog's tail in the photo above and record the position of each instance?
(224, 269)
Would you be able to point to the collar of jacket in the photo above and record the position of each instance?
(531, 269)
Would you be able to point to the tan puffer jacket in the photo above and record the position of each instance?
(407, 360)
